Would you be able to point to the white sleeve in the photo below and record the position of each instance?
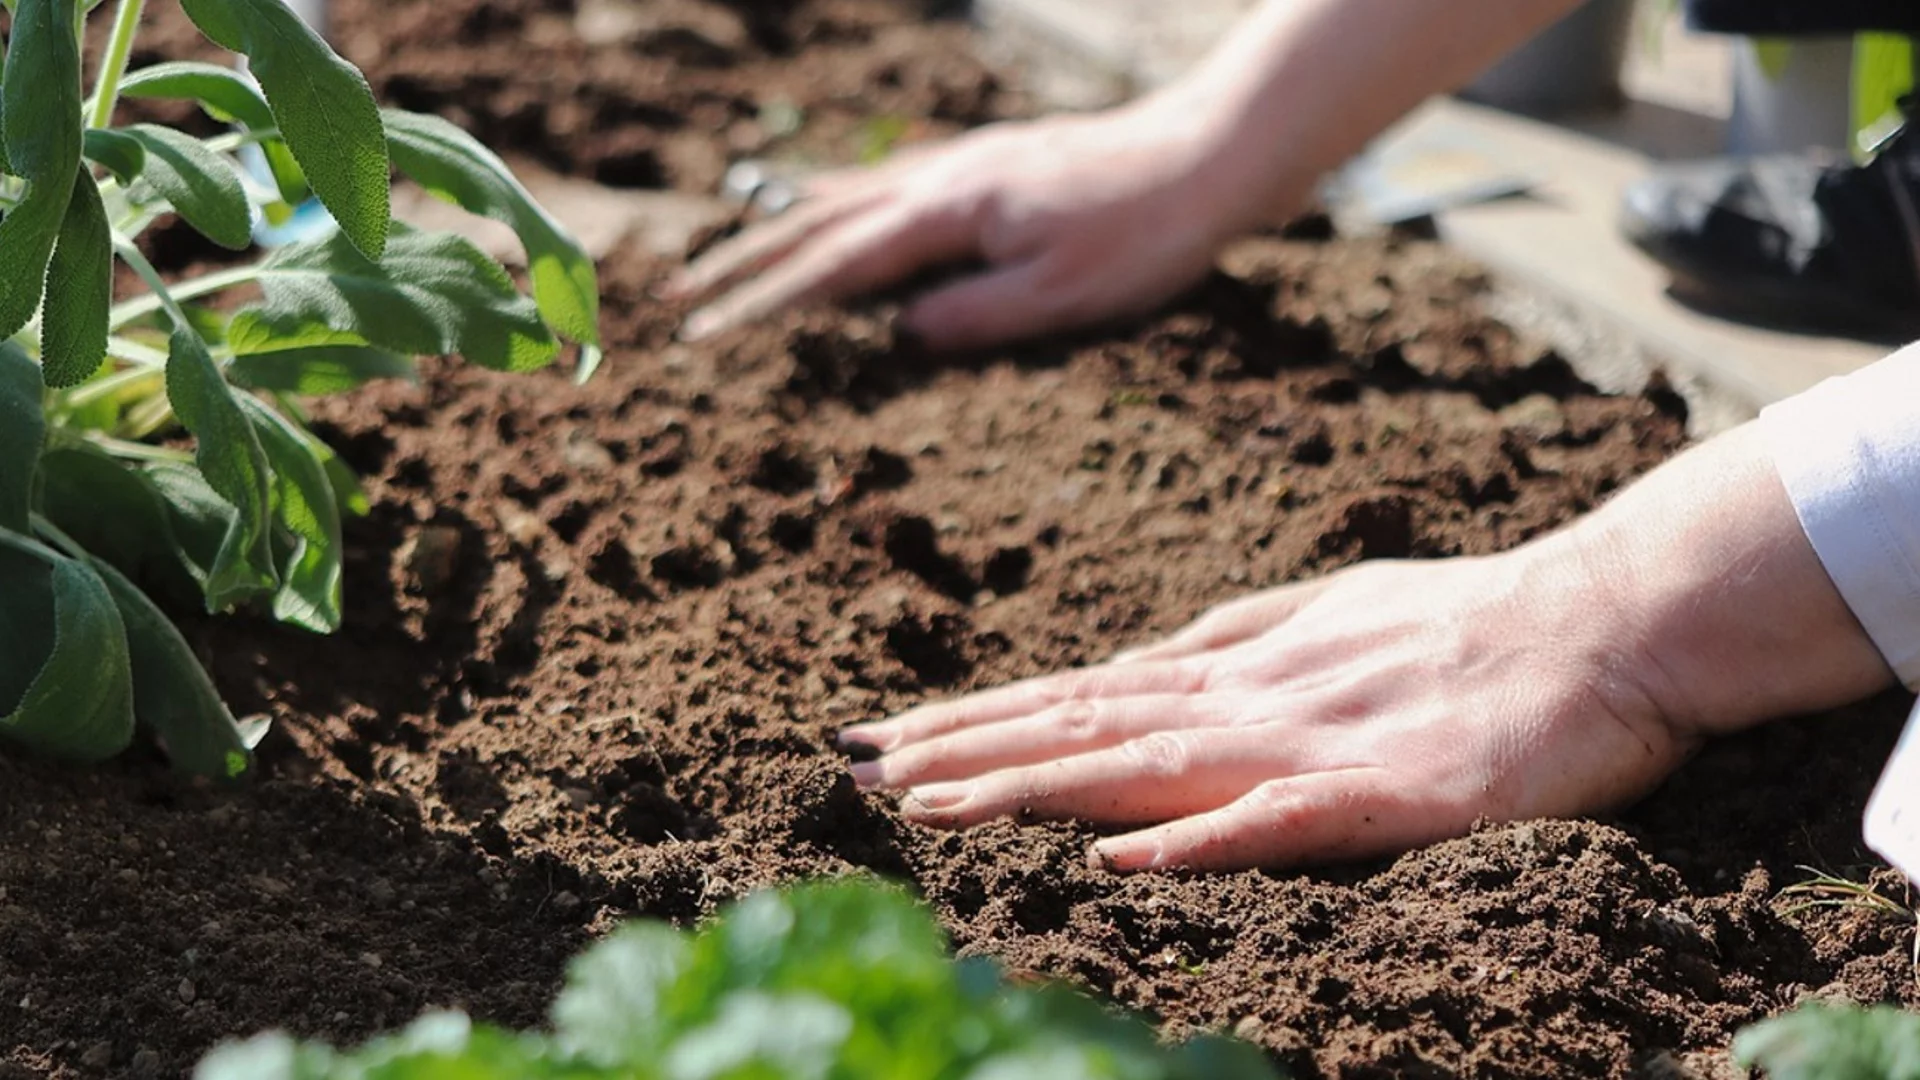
(1848, 452)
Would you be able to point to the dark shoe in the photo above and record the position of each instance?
(1796, 240)
(1799, 19)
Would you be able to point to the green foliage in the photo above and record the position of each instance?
(40, 107)
(100, 521)
(827, 982)
(1825, 1042)
(321, 104)
(1883, 69)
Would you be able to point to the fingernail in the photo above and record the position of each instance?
(699, 326)
(938, 797)
(1123, 858)
(674, 288)
(867, 737)
(868, 775)
(1126, 656)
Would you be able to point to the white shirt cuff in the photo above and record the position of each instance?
(1848, 452)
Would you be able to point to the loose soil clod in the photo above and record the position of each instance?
(670, 588)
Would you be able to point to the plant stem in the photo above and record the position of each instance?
(106, 94)
(136, 451)
(139, 308)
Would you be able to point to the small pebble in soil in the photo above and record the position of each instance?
(430, 557)
(145, 1064)
(98, 1056)
(187, 992)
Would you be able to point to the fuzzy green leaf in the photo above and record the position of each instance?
(6, 166)
(224, 93)
(303, 505)
(200, 185)
(172, 694)
(1824, 1042)
(118, 513)
(617, 1003)
(228, 97)
(432, 293)
(40, 98)
(119, 153)
(234, 465)
(454, 166)
(325, 369)
(66, 687)
(73, 322)
(197, 516)
(321, 104)
(23, 431)
(786, 986)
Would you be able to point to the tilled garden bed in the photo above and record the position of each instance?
(599, 639)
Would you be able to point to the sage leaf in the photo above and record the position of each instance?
(23, 431)
(432, 294)
(119, 153)
(318, 371)
(322, 105)
(453, 165)
(229, 97)
(118, 514)
(73, 320)
(40, 98)
(200, 185)
(225, 94)
(234, 465)
(172, 694)
(1828, 1042)
(303, 505)
(65, 675)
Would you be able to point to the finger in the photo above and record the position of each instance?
(1075, 727)
(1023, 699)
(1022, 300)
(844, 181)
(854, 256)
(1165, 775)
(1316, 818)
(1228, 624)
(762, 244)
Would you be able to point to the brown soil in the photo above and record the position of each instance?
(599, 640)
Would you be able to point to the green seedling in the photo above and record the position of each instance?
(827, 982)
(1826, 1042)
(241, 505)
(1823, 890)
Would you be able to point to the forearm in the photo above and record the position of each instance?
(1302, 85)
(1721, 607)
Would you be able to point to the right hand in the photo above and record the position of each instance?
(1079, 219)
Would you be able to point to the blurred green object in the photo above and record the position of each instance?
(1882, 75)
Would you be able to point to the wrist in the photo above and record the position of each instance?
(1711, 601)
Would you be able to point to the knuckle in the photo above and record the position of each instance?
(1274, 802)
(1075, 686)
(1079, 720)
(1165, 754)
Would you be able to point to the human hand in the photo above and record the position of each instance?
(1395, 704)
(1078, 218)
(1388, 706)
